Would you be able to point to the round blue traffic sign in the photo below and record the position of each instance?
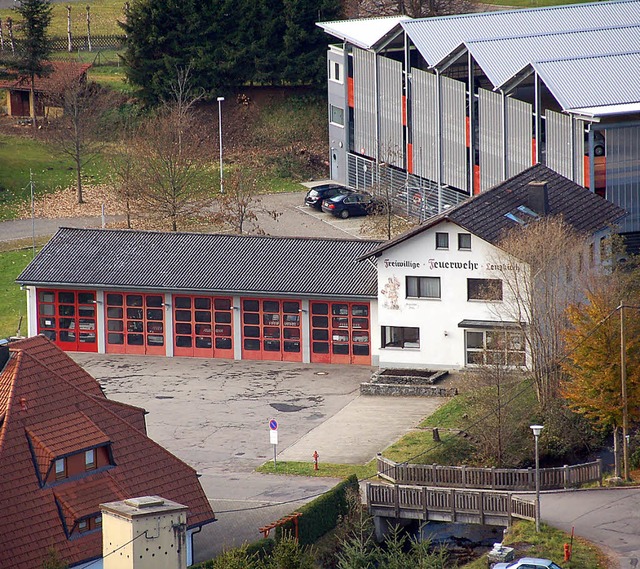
(273, 425)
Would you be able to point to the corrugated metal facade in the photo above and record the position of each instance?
(424, 111)
(519, 135)
(490, 124)
(623, 183)
(559, 143)
(390, 111)
(453, 139)
(364, 95)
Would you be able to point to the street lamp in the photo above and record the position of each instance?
(220, 99)
(537, 429)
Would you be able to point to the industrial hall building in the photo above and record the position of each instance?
(442, 108)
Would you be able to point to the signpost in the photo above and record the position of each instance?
(273, 436)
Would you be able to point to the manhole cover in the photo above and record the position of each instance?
(286, 407)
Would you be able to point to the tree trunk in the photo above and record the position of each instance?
(79, 181)
(32, 104)
(616, 453)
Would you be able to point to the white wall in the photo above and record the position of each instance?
(442, 344)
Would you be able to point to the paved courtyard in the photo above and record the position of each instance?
(214, 415)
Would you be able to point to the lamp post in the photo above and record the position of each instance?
(537, 429)
(220, 99)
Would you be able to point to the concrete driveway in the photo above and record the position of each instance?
(214, 415)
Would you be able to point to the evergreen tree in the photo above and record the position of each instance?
(226, 43)
(34, 47)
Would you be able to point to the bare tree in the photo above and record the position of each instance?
(239, 207)
(412, 8)
(498, 413)
(170, 174)
(123, 178)
(79, 130)
(542, 267)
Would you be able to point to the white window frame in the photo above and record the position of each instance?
(419, 287)
(333, 65)
(400, 335)
(331, 115)
(478, 299)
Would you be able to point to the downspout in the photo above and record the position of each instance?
(377, 108)
(536, 97)
(438, 83)
(505, 126)
(194, 532)
(472, 121)
(407, 102)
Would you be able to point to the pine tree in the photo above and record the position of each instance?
(35, 45)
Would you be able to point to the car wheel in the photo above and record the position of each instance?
(598, 150)
(344, 213)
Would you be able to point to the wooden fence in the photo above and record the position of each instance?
(447, 505)
(522, 479)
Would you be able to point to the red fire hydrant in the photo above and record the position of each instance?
(315, 459)
(567, 552)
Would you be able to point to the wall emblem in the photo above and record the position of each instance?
(390, 292)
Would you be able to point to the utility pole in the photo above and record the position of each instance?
(33, 213)
(625, 404)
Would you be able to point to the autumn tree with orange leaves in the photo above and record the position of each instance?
(592, 385)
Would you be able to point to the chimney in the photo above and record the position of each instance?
(144, 533)
(537, 197)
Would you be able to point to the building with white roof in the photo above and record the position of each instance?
(443, 108)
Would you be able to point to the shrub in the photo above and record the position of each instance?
(322, 514)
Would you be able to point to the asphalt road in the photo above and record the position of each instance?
(214, 415)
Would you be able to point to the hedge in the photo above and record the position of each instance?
(322, 514)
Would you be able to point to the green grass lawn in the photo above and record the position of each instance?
(21, 156)
(104, 17)
(14, 300)
(548, 544)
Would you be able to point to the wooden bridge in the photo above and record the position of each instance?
(464, 494)
(507, 479)
(447, 505)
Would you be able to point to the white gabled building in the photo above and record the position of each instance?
(441, 303)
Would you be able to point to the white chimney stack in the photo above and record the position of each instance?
(144, 533)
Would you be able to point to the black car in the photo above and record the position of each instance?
(315, 195)
(355, 203)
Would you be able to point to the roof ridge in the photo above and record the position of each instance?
(521, 10)
(229, 235)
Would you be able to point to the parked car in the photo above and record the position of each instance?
(315, 195)
(355, 203)
(528, 563)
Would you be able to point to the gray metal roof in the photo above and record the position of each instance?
(364, 33)
(593, 81)
(517, 53)
(199, 262)
(436, 38)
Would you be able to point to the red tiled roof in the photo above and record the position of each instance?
(42, 388)
(62, 73)
(62, 436)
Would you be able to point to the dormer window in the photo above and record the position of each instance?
(83, 525)
(90, 459)
(61, 468)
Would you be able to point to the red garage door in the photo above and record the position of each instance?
(68, 318)
(135, 323)
(271, 330)
(203, 326)
(340, 333)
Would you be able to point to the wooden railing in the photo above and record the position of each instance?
(447, 505)
(522, 479)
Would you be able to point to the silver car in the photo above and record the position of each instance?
(528, 563)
